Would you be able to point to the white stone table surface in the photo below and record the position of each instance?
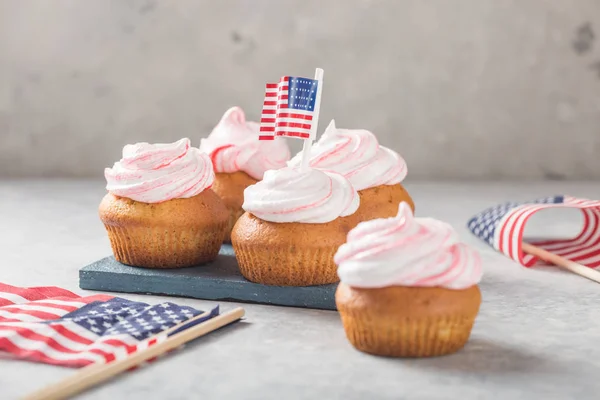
(537, 334)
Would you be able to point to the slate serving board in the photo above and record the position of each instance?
(218, 280)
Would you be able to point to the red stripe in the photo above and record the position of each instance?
(38, 293)
(269, 111)
(267, 129)
(510, 223)
(591, 254)
(261, 137)
(118, 343)
(269, 103)
(293, 125)
(61, 330)
(283, 105)
(501, 237)
(293, 134)
(283, 97)
(513, 230)
(35, 355)
(267, 121)
(108, 357)
(34, 313)
(98, 297)
(284, 79)
(272, 85)
(578, 249)
(585, 203)
(297, 116)
(271, 94)
(63, 307)
(32, 335)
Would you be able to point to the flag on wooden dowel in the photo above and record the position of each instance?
(55, 326)
(502, 227)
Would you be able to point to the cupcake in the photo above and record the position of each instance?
(240, 159)
(408, 287)
(160, 211)
(375, 171)
(295, 221)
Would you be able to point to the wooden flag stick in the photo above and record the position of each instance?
(313, 129)
(562, 262)
(94, 374)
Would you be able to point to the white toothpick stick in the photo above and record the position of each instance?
(561, 262)
(313, 130)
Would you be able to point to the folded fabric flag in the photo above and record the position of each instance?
(502, 228)
(55, 326)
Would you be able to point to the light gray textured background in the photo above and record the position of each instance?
(480, 89)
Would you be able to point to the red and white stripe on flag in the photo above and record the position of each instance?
(32, 327)
(583, 249)
(278, 119)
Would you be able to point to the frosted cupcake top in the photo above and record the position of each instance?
(297, 195)
(153, 173)
(407, 251)
(233, 146)
(356, 154)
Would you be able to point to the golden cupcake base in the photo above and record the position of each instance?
(408, 321)
(173, 234)
(288, 254)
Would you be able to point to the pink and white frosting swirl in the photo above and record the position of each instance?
(407, 251)
(301, 195)
(356, 154)
(153, 173)
(233, 146)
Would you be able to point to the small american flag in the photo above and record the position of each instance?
(54, 326)
(502, 228)
(289, 109)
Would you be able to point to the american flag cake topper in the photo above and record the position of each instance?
(291, 107)
(502, 228)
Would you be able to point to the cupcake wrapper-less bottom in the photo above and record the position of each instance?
(288, 254)
(162, 248)
(172, 234)
(408, 322)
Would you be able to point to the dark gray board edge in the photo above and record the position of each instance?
(315, 297)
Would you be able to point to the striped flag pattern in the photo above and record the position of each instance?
(289, 108)
(502, 228)
(54, 326)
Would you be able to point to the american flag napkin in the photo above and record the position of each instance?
(502, 227)
(54, 326)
